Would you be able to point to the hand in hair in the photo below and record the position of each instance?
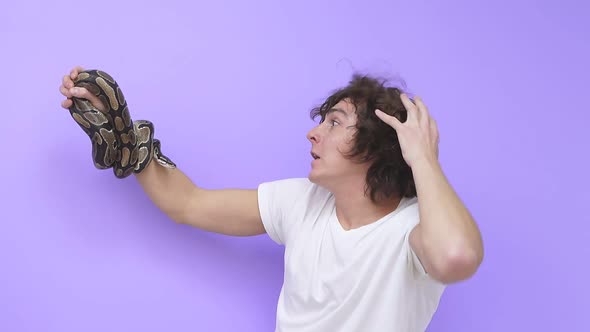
(418, 135)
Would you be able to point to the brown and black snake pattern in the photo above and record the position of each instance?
(118, 142)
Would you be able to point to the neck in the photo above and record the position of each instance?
(354, 209)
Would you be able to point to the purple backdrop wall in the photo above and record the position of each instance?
(229, 85)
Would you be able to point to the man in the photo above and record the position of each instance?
(362, 252)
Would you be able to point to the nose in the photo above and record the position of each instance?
(312, 135)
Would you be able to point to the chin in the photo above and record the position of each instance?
(311, 177)
(319, 179)
(314, 177)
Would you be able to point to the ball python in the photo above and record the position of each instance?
(117, 141)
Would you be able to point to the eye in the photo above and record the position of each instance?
(331, 121)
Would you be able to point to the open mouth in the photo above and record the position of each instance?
(315, 156)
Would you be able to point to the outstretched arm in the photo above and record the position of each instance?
(226, 211)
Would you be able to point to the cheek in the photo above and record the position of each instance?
(345, 143)
(336, 145)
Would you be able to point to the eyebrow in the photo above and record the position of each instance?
(338, 110)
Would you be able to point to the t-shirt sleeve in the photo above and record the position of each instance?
(412, 256)
(276, 201)
(413, 260)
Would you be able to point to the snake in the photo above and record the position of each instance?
(118, 142)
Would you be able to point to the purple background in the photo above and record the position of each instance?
(229, 85)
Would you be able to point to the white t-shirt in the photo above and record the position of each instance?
(366, 279)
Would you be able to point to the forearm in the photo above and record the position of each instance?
(450, 237)
(224, 211)
(169, 189)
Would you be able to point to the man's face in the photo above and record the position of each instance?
(329, 140)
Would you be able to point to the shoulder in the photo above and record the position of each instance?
(285, 203)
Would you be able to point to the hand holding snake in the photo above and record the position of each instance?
(99, 107)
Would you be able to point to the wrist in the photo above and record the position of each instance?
(426, 170)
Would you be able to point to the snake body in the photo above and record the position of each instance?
(117, 141)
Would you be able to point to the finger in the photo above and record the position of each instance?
(75, 71)
(421, 108)
(67, 82)
(65, 91)
(420, 104)
(390, 120)
(434, 129)
(66, 103)
(79, 92)
(410, 107)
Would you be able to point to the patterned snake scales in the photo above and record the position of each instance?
(118, 142)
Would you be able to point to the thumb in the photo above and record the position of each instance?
(83, 93)
(390, 120)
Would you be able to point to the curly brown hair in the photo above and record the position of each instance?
(389, 176)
